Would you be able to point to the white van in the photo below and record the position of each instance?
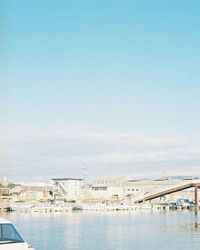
(10, 239)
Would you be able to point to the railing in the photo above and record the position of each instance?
(64, 191)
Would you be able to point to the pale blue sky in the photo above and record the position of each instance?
(100, 66)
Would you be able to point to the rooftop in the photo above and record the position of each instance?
(67, 179)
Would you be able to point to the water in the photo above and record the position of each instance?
(110, 231)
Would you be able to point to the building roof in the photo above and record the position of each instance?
(67, 179)
(158, 182)
(19, 189)
(110, 181)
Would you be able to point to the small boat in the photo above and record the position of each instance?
(20, 207)
(77, 208)
(10, 239)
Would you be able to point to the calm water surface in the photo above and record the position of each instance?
(110, 231)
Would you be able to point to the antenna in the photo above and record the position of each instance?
(84, 168)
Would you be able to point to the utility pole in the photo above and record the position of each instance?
(196, 199)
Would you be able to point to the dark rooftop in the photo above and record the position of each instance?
(67, 179)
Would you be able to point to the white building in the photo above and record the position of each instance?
(134, 188)
(127, 188)
(106, 192)
(108, 188)
(70, 189)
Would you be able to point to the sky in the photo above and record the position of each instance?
(111, 85)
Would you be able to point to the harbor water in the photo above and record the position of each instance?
(144, 230)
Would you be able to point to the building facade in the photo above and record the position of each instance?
(127, 188)
(70, 189)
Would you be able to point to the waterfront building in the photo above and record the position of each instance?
(104, 189)
(4, 193)
(70, 189)
(141, 187)
(107, 188)
(106, 192)
(129, 188)
(31, 192)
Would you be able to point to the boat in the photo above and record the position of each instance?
(77, 208)
(10, 239)
(20, 206)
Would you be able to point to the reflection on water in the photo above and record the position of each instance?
(110, 231)
(194, 225)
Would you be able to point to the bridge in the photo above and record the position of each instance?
(169, 190)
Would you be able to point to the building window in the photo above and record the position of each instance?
(99, 188)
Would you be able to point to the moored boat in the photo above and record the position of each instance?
(10, 239)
